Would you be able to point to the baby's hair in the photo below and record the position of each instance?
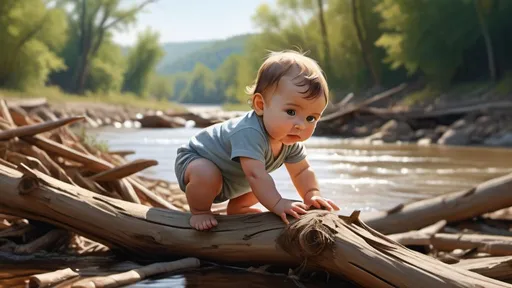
(279, 64)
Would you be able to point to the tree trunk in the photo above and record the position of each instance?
(325, 38)
(365, 50)
(344, 246)
(488, 42)
(485, 197)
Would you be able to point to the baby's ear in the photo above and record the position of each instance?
(258, 103)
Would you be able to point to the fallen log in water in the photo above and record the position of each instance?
(486, 197)
(341, 245)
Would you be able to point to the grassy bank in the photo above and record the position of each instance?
(55, 95)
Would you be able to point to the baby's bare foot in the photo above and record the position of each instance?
(203, 221)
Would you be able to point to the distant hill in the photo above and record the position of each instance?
(183, 57)
(176, 50)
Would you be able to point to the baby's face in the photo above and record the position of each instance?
(288, 116)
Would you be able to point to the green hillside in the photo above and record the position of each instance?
(176, 50)
(183, 57)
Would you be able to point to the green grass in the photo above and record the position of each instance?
(92, 141)
(504, 87)
(236, 107)
(54, 94)
(419, 96)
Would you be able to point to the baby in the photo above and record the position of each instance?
(232, 160)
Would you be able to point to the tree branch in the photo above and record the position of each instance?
(128, 13)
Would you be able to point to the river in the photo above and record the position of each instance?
(354, 175)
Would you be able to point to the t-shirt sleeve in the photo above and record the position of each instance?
(248, 143)
(296, 153)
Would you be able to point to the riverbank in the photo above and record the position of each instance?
(477, 116)
(480, 118)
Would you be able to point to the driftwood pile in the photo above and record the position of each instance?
(378, 119)
(63, 203)
(120, 116)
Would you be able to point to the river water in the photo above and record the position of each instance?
(356, 176)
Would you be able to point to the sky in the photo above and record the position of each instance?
(189, 20)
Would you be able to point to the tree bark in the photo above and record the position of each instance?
(485, 197)
(325, 37)
(340, 245)
(487, 39)
(365, 50)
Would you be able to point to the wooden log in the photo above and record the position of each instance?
(34, 129)
(154, 199)
(136, 275)
(491, 244)
(421, 113)
(340, 245)
(485, 197)
(418, 237)
(5, 113)
(54, 168)
(51, 278)
(91, 162)
(125, 189)
(355, 108)
(125, 170)
(41, 243)
(494, 267)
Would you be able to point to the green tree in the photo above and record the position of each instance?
(95, 19)
(201, 87)
(428, 37)
(142, 61)
(107, 69)
(30, 32)
(161, 87)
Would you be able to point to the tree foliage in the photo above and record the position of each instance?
(361, 44)
(142, 61)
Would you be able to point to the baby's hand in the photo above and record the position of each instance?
(318, 202)
(285, 206)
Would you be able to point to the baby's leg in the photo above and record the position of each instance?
(242, 204)
(204, 182)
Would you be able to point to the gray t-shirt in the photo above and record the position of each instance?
(245, 136)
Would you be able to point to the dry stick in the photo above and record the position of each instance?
(494, 245)
(418, 237)
(155, 200)
(124, 170)
(136, 275)
(125, 189)
(8, 164)
(5, 112)
(19, 116)
(51, 278)
(36, 128)
(54, 168)
(485, 197)
(89, 161)
(494, 267)
(16, 230)
(344, 246)
(17, 158)
(42, 242)
(365, 103)
(122, 153)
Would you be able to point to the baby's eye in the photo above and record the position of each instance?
(290, 112)
(311, 119)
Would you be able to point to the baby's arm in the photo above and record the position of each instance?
(304, 180)
(264, 189)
